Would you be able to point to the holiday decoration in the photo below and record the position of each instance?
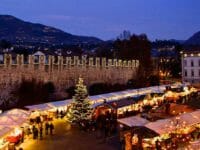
(80, 109)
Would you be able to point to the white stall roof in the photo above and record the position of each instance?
(11, 121)
(96, 105)
(42, 107)
(196, 114)
(100, 98)
(160, 126)
(17, 112)
(133, 121)
(108, 95)
(130, 92)
(4, 130)
(50, 105)
(96, 97)
(60, 103)
(163, 126)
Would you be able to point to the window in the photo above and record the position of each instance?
(192, 63)
(199, 62)
(192, 73)
(199, 73)
(185, 62)
(185, 73)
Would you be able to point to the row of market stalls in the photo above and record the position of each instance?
(99, 99)
(175, 129)
(15, 121)
(10, 126)
(141, 103)
(178, 129)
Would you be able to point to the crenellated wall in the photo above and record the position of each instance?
(64, 71)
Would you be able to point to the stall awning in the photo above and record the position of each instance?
(133, 121)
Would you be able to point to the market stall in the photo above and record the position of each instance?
(3, 132)
(179, 129)
(49, 110)
(133, 121)
(59, 108)
(121, 107)
(60, 105)
(11, 127)
(15, 136)
(133, 130)
(11, 121)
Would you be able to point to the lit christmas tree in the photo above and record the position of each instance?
(80, 109)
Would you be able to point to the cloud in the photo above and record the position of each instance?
(62, 18)
(58, 17)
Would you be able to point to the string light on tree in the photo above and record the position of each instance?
(80, 109)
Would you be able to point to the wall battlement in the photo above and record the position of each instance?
(64, 71)
(20, 60)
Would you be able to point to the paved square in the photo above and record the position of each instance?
(66, 138)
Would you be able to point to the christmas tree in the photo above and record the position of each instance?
(80, 109)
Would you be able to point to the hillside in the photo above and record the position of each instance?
(19, 31)
(194, 40)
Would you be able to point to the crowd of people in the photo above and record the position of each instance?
(37, 130)
(40, 126)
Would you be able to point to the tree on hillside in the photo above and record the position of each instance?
(5, 44)
(80, 109)
(137, 47)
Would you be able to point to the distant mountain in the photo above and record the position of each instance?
(193, 40)
(177, 41)
(19, 31)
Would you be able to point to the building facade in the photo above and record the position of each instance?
(191, 66)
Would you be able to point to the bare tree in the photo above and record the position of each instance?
(7, 97)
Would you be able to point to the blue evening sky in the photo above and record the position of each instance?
(106, 19)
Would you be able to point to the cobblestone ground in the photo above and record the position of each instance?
(66, 138)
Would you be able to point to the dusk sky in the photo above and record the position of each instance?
(106, 19)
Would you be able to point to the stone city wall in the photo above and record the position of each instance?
(64, 71)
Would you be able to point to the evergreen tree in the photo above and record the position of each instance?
(80, 109)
